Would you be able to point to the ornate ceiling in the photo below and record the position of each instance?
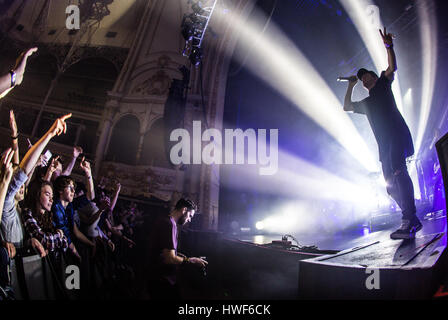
(45, 21)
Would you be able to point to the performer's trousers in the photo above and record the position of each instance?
(399, 184)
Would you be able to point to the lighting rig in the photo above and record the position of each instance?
(194, 26)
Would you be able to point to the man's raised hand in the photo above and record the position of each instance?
(12, 123)
(54, 164)
(104, 204)
(352, 81)
(77, 151)
(19, 69)
(85, 166)
(6, 164)
(387, 38)
(59, 126)
(117, 186)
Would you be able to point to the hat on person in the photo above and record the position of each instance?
(363, 71)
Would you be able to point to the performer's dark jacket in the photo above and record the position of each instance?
(390, 130)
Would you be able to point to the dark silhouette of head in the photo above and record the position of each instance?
(367, 77)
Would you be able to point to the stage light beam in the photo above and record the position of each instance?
(367, 19)
(428, 35)
(277, 61)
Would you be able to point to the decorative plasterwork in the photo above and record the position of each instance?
(143, 180)
(158, 85)
(113, 54)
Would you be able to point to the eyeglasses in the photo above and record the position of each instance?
(71, 188)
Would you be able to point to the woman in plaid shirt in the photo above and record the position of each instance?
(38, 218)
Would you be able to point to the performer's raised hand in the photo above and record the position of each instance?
(387, 38)
(353, 80)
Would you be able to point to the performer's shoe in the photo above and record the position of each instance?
(407, 229)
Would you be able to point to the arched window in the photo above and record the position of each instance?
(82, 87)
(154, 152)
(40, 71)
(124, 140)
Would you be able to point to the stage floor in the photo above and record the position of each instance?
(346, 239)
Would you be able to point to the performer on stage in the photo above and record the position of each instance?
(164, 258)
(392, 135)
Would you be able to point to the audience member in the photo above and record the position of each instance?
(95, 218)
(63, 213)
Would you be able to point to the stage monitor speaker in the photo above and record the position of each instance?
(442, 153)
(174, 111)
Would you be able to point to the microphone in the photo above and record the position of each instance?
(344, 79)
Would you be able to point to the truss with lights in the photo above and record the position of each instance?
(194, 26)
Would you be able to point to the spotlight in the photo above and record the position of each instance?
(196, 40)
(197, 7)
(365, 231)
(196, 56)
(187, 30)
(259, 225)
(199, 21)
(381, 181)
(193, 25)
(384, 201)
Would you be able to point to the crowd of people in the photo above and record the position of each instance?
(44, 209)
(65, 221)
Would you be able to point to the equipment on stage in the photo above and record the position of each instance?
(285, 244)
(383, 268)
(174, 111)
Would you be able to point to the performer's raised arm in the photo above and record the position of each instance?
(388, 42)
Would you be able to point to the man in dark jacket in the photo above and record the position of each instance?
(392, 135)
(164, 258)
